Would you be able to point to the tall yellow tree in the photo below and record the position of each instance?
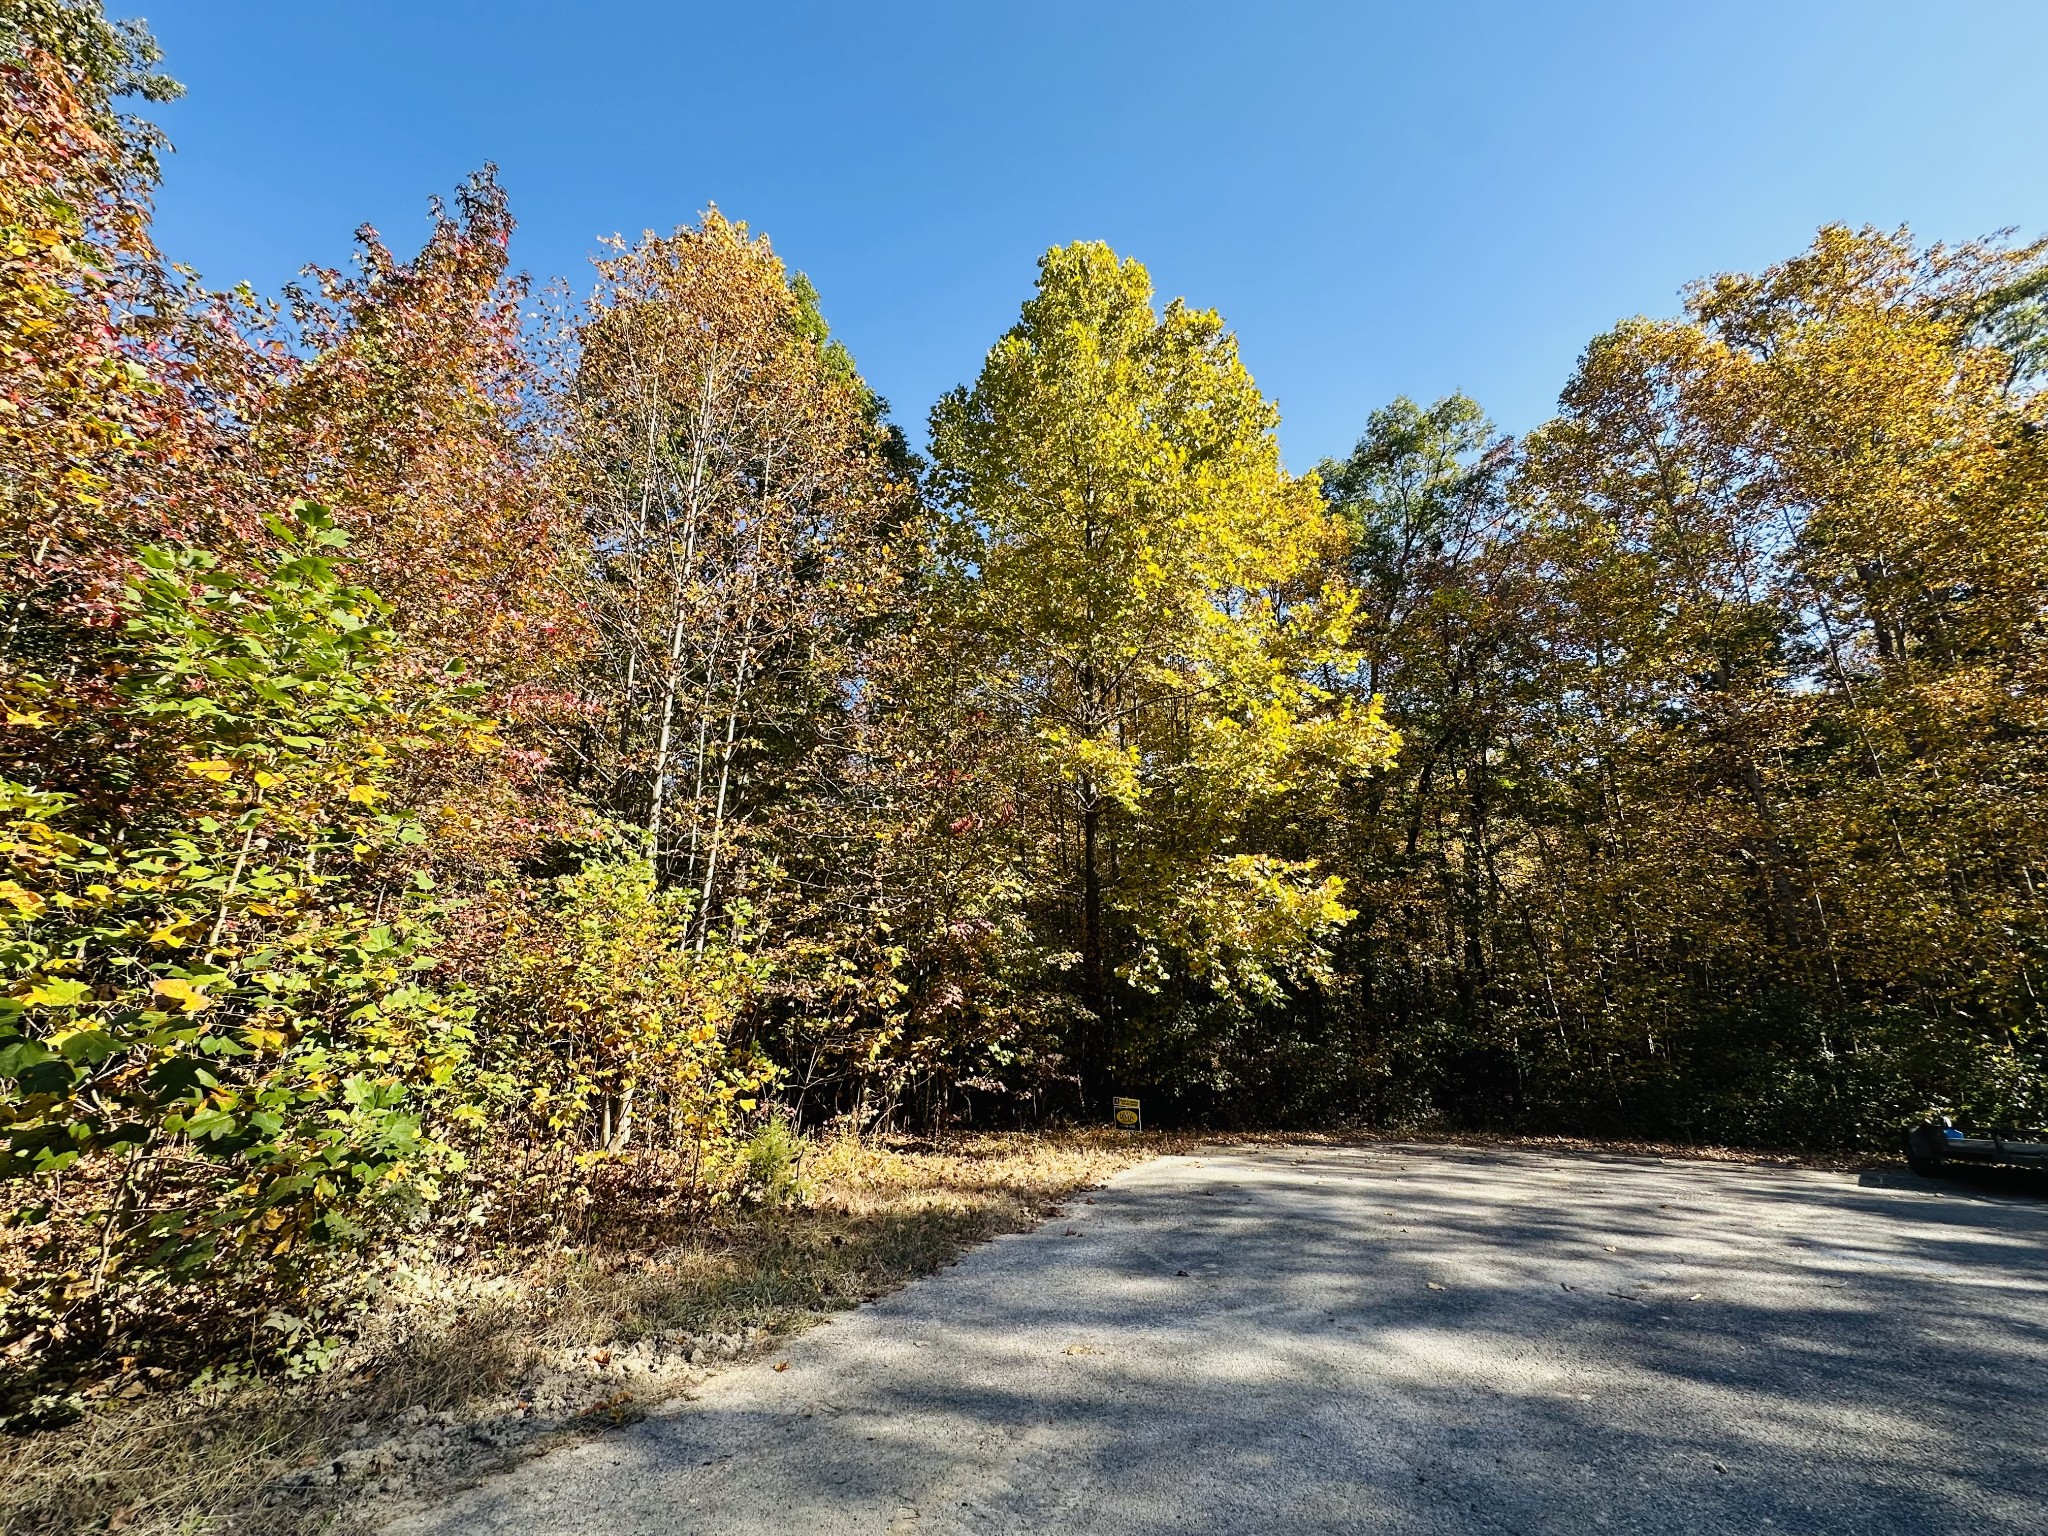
(734, 485)
(1141, 585)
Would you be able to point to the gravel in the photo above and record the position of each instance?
(1386, 1339)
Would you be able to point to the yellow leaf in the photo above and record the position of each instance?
(24, 901)
(31, 717)
(183, 993)
(217, 769)
(364, 794)
(171, 933)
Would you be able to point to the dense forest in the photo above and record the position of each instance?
(461, 747)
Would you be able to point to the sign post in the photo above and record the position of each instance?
(1128, 1114)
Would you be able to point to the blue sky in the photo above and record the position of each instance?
(1380, 198)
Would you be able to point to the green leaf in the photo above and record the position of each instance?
(59, 992)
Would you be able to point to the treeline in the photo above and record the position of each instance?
(465, 754)
(1718, 813)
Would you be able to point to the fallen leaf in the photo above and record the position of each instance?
(782, 1365)
(613, 1407)
(1180, 1274)
(1434, 1286)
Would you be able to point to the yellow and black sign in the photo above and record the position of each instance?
(1128, 1115)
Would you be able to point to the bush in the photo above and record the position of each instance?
(218, 1041)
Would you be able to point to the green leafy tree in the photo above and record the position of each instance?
(1432, 540)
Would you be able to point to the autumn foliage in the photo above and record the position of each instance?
(465, 755)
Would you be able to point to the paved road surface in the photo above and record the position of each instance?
(1256, 1341)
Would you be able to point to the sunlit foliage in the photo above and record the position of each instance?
(465, 755)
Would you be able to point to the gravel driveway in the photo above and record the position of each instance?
(1388, 1339)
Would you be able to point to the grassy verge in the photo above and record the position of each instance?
(459, 1365)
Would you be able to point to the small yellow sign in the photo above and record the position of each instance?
(1128, 1115)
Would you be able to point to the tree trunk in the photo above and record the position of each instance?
(657, 791)
(1096, 1058)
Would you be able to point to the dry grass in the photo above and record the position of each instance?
(459, 1367)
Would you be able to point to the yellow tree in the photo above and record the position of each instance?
(729, 470)
(1141, 597)
(1792, 553)
(735, 485)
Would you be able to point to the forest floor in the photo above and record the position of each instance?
(466, 1365)
(1389, 1338)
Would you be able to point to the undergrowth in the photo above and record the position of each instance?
(447, 1364)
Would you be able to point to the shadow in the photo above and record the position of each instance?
(1965, 1179)
(1393, 1339)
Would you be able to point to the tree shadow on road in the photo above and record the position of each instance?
(1401, 1340)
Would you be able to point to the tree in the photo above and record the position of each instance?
(1783, 565)
(726, 467)
(1141, 605)
(1446, 646)
(216, 1042)
(103, 61)
(412, 407)
(738, 490)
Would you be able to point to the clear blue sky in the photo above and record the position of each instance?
(1381, 198)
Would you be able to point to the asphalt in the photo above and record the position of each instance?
(1387, 1339)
